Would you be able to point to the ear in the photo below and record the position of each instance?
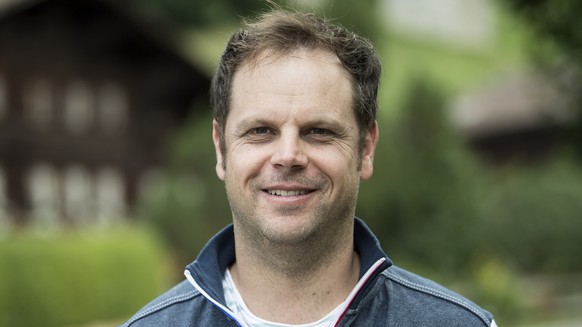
(219, 158)
(367, 167)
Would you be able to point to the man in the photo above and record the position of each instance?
(294, 131)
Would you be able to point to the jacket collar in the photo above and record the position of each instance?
(209, 267)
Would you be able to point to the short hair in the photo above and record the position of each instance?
(281, 32)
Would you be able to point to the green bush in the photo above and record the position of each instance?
(190, 205)
(423, 200)
(534, 217)
(75, 278)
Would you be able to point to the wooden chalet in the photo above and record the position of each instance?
(88, 97)
(519, 118)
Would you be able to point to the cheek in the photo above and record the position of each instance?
(343, 157)
(243, 161)
(341, 169)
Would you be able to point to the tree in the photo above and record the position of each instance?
(423, 201)
(555, 19)
(360, 16)
(558, 21)
(200, 13)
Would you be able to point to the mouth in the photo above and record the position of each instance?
(286, 193)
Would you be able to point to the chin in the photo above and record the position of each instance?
(289, 234)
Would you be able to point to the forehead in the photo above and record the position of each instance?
(302, 79)
(295, 64)
(272, 56)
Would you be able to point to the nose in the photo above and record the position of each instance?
(289, 152)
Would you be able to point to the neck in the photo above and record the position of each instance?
(299, 283)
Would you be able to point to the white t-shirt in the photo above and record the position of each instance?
(235, 302)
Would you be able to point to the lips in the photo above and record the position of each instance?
(288, 192)
(290, 189)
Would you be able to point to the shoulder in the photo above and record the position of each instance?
(433, 299)
(169, 301)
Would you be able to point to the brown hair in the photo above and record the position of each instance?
(281, 32)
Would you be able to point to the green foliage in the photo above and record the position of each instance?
(495, 286)
(431, 203)
(534, 217)
(558, 24)
(69, 278)
(203, 14)
(556, 19)
(422, 200)
(191, 205)
(362, 18)
(442, 214)
(200, 13)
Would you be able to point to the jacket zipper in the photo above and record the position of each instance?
(231, 315)
(365, 278)
(222, 308)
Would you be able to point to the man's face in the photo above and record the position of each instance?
(291, 165)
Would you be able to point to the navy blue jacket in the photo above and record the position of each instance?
(389, 295)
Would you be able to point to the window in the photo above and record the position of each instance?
(79, 102)
(151, 186)
(78, 194)
(44, 193)
(75, 194)
(38, 102)
(112, 107)
(110, 195)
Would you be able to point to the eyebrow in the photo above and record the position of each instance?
(325, 121)
(253, 120)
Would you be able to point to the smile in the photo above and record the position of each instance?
(287, 192)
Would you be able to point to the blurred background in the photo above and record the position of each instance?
(107, 183)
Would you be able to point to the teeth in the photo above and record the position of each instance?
(286, 192)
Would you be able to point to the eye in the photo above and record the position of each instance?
(319, 134)
(259, 134)
(319, 131)
(259, 130)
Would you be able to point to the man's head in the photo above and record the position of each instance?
(295, 130)
(279, 33)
